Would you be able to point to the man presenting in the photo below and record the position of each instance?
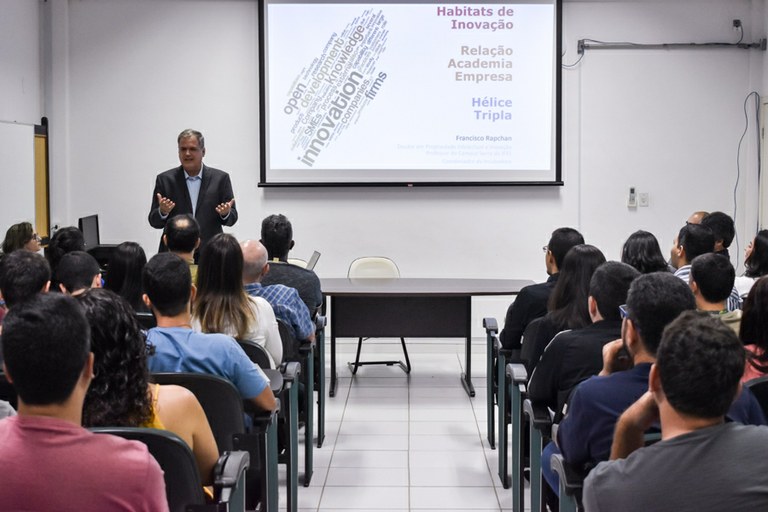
(193, 188)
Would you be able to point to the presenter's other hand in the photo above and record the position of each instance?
(224, 208)
(165, 204)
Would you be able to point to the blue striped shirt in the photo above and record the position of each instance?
(288, 307)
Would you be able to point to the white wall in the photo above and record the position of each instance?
(20, 109)
(123, 78)
(20, 62)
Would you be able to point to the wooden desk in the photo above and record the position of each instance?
(410, 308)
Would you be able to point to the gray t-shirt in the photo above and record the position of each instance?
(720, 468)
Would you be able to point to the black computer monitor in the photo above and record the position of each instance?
(90, 227)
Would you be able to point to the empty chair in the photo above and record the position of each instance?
(376, 267)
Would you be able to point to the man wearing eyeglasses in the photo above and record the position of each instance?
(193, 188)
(531, 302)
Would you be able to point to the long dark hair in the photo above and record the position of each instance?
(222, 304)
(124, 273)
(568, 303)
(757, 263)
(642, 251)
(754, 324)
(119, 394)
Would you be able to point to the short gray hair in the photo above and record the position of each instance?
(192, 133)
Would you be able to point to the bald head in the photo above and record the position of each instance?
(254, 261)
(697, 217)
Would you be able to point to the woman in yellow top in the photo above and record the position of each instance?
(121, 395)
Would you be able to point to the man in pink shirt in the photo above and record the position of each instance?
(49, 461)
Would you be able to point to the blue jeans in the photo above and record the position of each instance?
(546, 467)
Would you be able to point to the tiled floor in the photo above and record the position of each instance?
(398, 442)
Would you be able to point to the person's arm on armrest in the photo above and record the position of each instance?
(632, 424)
(203, 443)
(265, 400)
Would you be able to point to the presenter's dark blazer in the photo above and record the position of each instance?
(216, 188)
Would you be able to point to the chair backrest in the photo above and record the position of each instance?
(183, 486)
(528, 353)
(146, 319)
(759, 388)
(290, 343)
(220, 400)
(373, 266)
(255, 352)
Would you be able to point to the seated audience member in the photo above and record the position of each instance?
(77, 272)
(285, 301)
(277, 237)
(754, 330)
(49, 461)
(755, 262)
(697, 217)
(168, 291)
(23, 275)
(120, 394)
(711, 281)
(642, 251)
(21, 236)
(223, 306)
(702, 461)
(568, 308)
(585, 434)
(723, 229)
(531, 302)
(124, 273)
(574, 355)
(182, 237)
(63, 241)
(694, 240)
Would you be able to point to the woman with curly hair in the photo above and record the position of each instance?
(753, 331)
(120, 394)
(222, 305)
(124, 273)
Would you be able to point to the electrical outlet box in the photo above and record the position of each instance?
(645, 199)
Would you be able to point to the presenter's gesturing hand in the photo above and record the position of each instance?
(165, 204)
(224, 208)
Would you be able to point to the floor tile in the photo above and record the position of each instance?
(367, 477)
(446, 443)
(375, 428)
(369, 459)
(453, 476)
(360, 498)
(447, 498)
(363, 442)
(440, 414)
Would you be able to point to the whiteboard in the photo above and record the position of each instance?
(17, 175)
